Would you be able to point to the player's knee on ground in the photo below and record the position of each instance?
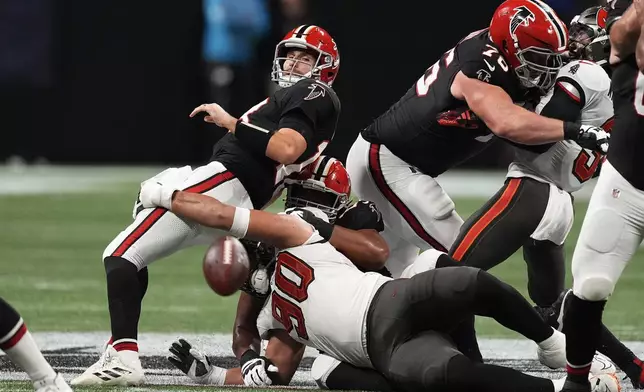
(424, 262)
(593, 288)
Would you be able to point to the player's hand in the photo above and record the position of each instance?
(190, 361)
(216, 115)
(363, 214)
(324, 228)
(155, 194)
(592, 138)
(255, 369)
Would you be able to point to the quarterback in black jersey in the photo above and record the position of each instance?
(395, 159)
(274, 139)
(613, 227)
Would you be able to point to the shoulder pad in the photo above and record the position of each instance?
(582, 78)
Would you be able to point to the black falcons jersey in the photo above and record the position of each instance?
(307, 101)
(627, 138)
(418, 128)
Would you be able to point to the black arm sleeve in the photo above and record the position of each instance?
(562, 106)
(297, 120)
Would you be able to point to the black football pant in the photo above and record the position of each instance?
(410, 325)
(502, 226)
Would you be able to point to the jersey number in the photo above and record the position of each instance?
(292, 277)
(424, 83)
(581, 169)
(639, 94)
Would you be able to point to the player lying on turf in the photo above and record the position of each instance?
(325, 186)
(277, 137)
(20, 347)
(367, 319)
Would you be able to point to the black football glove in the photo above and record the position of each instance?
(361, 215)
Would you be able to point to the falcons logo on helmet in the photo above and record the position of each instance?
(523, 16)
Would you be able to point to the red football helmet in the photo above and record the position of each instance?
(310, 38)
(532, 38)
(588, 37)
(324, 184)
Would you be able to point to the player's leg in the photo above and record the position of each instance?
(502, 225)
(20, 347)
(412, 368)
(329, 373)
(546, 264)
(610, 235)
(154, 234)
(413, 205)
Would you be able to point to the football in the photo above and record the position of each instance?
(225, 265)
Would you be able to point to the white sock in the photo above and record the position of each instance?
(25, 353)
(128, 351)
(558, 384)
(548, 343)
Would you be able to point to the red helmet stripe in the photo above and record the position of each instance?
(559, 26)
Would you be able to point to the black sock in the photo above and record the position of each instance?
(610, 346)
(464, 375)
(124, 297)
(508, 307)
(9, 318)
(582, 325)
(445, 260)
(348, 377)
(143, 281)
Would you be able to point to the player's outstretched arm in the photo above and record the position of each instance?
(365, 248)
(281, 231)
(505, 119)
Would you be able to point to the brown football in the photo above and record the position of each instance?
(225, 265)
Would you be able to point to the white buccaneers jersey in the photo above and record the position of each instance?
(322, 300)
(565, 164)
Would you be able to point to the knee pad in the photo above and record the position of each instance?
(593, 288)
(321, 368)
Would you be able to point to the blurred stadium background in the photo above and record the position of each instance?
(95, 97)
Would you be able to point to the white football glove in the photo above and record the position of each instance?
(195, 364)
(255, 370)
(593, 138)
(155, 194)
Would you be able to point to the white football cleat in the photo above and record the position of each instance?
(605, 383)
(602, 365)
(111, 370)
(553, 352)
(56, 384)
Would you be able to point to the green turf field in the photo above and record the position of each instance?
(51, 248)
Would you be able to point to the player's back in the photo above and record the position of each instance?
(321, 299)
(413, 128)
(566, 164)
(260, 175)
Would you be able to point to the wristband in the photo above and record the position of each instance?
(241, 221)
(570, 130)
(248, 355)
